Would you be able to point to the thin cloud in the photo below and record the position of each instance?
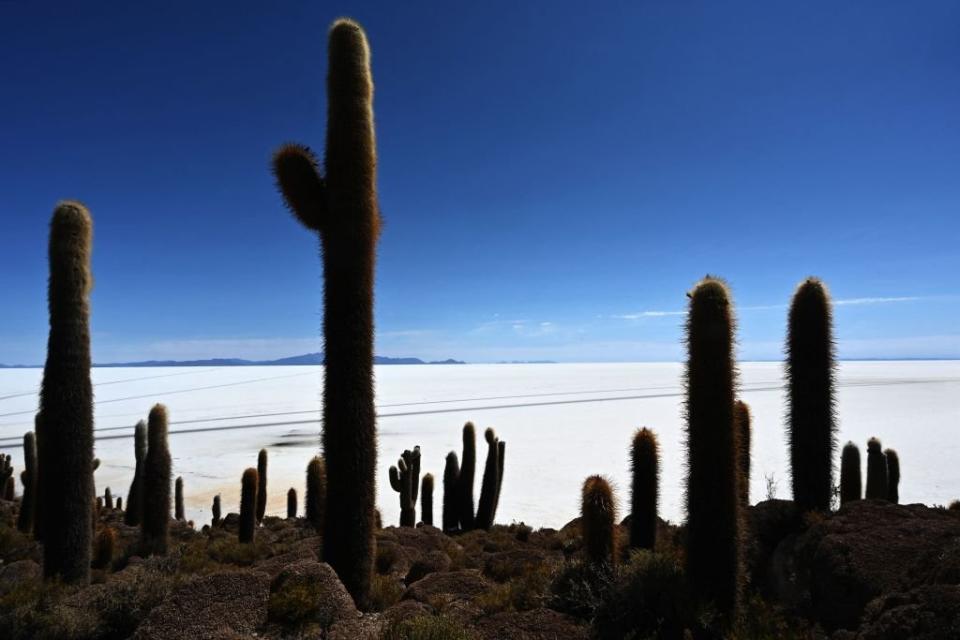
(879, 300)
(774, 307)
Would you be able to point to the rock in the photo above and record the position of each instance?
(768, 524)
(310, 591)
(273, 566)
(929, 612)
(214, 607)
(455, 585)
(433, 562)
(538, 624)
(406, 610)
(392, 558)
(368, 627)
(504, 565)
(18, 573)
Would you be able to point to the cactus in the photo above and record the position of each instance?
(108, 498)
(155, 522)
(135, 497)
(342, 207)
(10, 489)
(28, 477)
(742, 420)
(851, 485)
(597, 518)
(893, 476)
(489, 489)
(261, 484)
(713, 562)
(37, 511)
(6, 475)
(876, 471)
(501, 458)
(66, 401)
(316, 500)
(215, 508)
(178, 498)
(451, 480)
(645, 489)
(104, 544)
(292, 503)
(468, 467)
(248, 505)
(119, 503)
(811, 364)
(405, 480)
(426, 499)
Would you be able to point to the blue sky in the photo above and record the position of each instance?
(553, 177)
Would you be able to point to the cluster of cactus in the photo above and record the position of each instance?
(645, 473)
(341, 206)
(883, 473)
(598, 514)
(134, 511)
(458, 480)
(405, 480)
(29, 479)
(492, 481)
(155, 521)
(248, 505)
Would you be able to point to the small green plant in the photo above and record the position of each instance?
(425, 628)
(385, 591)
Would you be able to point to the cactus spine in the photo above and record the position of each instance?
(178, 499)
(29, 479)
(215, 508)
(451, 480)
(713, 502)
(811, 364)
(292, 503)
(645, 471)
(876, 471)
(316, 493)
(490, 487)
(248, 505)
(426, 499)
(851, 485)
(893, 476)
(598, 514)
(468, 468)
(741, 417)
(261, 484)
(342, 207)
(66, 401)
(155, 523)
(134, 511)
(405, 480)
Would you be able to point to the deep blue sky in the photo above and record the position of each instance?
(553, 177)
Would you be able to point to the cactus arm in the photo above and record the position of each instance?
(395, 479)
(303, 189)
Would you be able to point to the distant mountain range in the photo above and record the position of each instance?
(305, 359)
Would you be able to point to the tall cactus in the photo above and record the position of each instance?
(248, 505)
(876, 471)
(851, 484)
(597, 520)
(216, 512)
(742, 420)
(451, 496)
(29, 478)
(292, 503)
(645, 490)
(66, 401)
(811, 365)
(108, 498)
(893, 476)
(713, 502)
(490, 487)
(261, 484)
(405, 480)
(342, 207)
(316, 499)
(134, 510)
(178, 499)
(38, 482)
(426, 499)
(155, 523)
(468, 468)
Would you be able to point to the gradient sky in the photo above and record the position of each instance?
(553, 176)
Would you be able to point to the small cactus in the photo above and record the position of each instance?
(155, 524)
(468, 467)
(851, 484)
(108, 498)
(261, 484)
(597, 518)
(426, 499)
(10, 489)
(405, 480)
(104, 545)
(178, 499)
(248, 505)
(292, 503)
(741, 416)
(490, 487)
(215, 508)
(134, 511)
(451, 502)
(893, 476)
(645, 463)
(6, 474)
(119, 503)
(876, 471)
(316, 501)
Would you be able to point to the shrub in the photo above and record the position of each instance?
(425, 628)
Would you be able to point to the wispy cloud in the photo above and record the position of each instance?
(772, 307)
(880, 300)
(647, 314)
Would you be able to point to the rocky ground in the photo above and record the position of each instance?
(872, 570)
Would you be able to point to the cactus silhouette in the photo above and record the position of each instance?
(426, 499)
(893, 476)
(742, 420)
(451, 496)
(876, 471)
(489, 488)
(292, 503)
(248, 505)
(10, 488)
(597, 517)
(713, 562)
(178, 498)
(65, 496)
(135, 497)
(119, 503)
(155, 523)
(811, 364)
(316, 500)
(404, 479)
(342, 207)
(29, 479)
(104, 544)
(645, 489)
(215, 508)
(6, 474)
(37, 510)
(468, 468)
(108, 498)
(501, 459)
(261, 484)
(851, 485)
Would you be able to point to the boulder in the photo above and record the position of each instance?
(537, 624)
(273, 566)
(310, 591)
(454, 585)
(929, 612)
(18, 573)
(432, 562)
(505, 565)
